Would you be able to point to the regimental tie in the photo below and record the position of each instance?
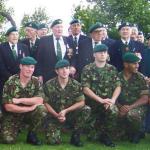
(14, 51)
(126, 46)
(59, 53)
(75, 42)
(95, 43)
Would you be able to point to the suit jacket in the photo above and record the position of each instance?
(75, 49)
(85, 54)
(117, 52)
(33, 51)
(8, 65)
(47, 57)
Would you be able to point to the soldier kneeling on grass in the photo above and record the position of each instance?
(133, 96)
(22, 102)
(65, 102)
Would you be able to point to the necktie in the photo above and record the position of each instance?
(75, 42)
(95, 43)
(59, 53)
(14, 51)
(126, 46)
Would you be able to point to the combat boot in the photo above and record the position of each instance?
(32, 139)
(137, 137)
(106, 140)
(75, 139)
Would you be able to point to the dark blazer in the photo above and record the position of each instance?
(85, 54)
(33, 51)
(8, 65)
(109, 42)
(47, 57)
(117, 52)
(75, 49)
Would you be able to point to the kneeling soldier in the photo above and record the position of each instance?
(22, 101)
(134, 94)
(102, 86)
(65, 101)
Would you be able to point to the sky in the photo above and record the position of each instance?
(55, 8)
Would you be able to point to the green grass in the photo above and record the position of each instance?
(21, 145)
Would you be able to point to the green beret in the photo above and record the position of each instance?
(31, 25)
(42, 26)
(95, 26)
(100, 48)
(28, 61)
(55, 22)
(12, 29)
(124, 24)
(75, 21)
(62, 63)
(130, 58)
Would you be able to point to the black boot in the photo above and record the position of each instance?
(32, 139)
(75, 139)
(106, 140)
(137, 137)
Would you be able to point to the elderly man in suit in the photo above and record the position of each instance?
(10, 54)
(51, 49)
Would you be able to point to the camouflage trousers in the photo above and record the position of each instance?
(77, 118)
(132, 123)
(12, 123)
(102, 121)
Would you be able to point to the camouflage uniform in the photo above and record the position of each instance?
(132, 90)
(60, 99)
(102, 81)
(12, 122)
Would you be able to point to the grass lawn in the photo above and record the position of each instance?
(21, 145)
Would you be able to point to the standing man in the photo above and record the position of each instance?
(52, 49)
(74, 41)
(101, 85)
(85, 55)
(65, 102)
(22, 100)
(134, 95)
(10, 54)
(125, 44)
(31, 40)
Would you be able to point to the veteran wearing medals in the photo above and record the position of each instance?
(52, 48)
(123, 45)
(10, 54)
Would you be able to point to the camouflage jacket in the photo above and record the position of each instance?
(102, 81)
(60, 98)
(133, 88)
(13, 89)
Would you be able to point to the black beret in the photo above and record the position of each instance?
(148, 36)
(124, 24)
(100, 48)
(28, 61)
(55, 22)
(12, 29)
(140, 33)
(32, 25)
(75, 21)
(130, 58)
(62, 63)
(95, 26)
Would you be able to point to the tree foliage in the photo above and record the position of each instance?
(38, 16)
(112, 12)
(5, 16)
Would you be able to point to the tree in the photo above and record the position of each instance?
(5, 16)
(112, 12)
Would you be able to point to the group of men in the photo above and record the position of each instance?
(105, 103)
